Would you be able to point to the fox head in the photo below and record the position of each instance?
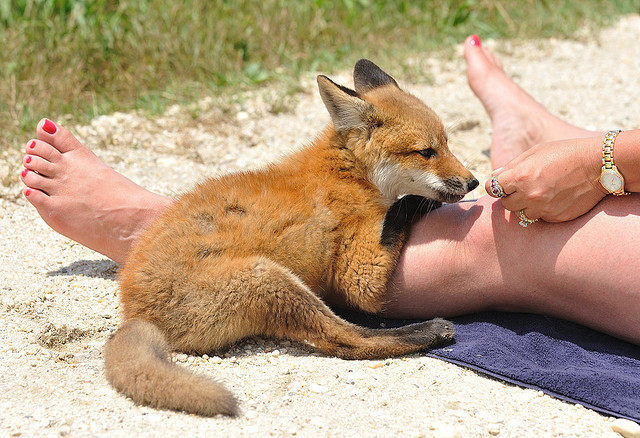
(399, 139)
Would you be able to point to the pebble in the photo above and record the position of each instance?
(375, 365)
(215, 359)
(251, 415)
(626, 428)
(493, 429)
(181, 357)
(319, 389)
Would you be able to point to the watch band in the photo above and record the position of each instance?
(607, 148)
(607, 156)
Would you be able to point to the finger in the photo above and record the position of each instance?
(507, 179)
(496, 187)
(493, 188)
(514, 202)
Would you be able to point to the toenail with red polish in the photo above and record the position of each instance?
(27, 192)
(49, 127)
(33, 144)
(475, 40)
(28, 160)
(24, 173)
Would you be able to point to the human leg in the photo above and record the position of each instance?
(473, 257)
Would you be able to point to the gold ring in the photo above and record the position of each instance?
(496, 188)
(524, 220)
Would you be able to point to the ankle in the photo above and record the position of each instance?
(134, 222)
(147, 212)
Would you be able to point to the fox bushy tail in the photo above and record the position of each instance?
(137, 365)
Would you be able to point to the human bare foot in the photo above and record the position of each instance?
(519, 121)
(82, 198)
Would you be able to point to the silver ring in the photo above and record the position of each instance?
(524, 220)
(496, 188)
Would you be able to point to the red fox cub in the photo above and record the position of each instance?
(254, 253)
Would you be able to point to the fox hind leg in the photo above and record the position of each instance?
(270, 300)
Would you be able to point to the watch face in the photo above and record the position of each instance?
(611, 181)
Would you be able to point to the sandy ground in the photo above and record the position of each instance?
(58, 300)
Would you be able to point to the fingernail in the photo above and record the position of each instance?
(27, 192)
(33, 144)
(475, 40)
(24, 173)
(497, 170)
(49, 127)
(28, 160)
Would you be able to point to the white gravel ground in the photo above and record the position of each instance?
(58, 300)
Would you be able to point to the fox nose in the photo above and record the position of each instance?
(472, 184)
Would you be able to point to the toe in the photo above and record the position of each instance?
(44, 150)
(484, 74)
(40, 165)
(477, 60)
(35, 181)
(37, 198)
(492, 57)
(57, 136)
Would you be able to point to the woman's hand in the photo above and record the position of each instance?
(555, 182)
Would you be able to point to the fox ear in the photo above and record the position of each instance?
(347, 110)
(367, 76)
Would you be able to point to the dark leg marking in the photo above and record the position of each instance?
(403, 213)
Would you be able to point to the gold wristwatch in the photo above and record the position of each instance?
(610, 178)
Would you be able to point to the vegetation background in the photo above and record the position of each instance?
(76, 59)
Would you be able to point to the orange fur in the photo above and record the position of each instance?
(255, 253)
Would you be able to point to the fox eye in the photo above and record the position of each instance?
(428, 152)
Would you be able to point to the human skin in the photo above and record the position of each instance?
(459, 259)
(560, 180)
(472, 257)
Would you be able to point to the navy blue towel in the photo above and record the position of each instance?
(565, 360)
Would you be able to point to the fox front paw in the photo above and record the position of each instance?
(428, 334)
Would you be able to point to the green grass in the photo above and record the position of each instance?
(80, 58)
